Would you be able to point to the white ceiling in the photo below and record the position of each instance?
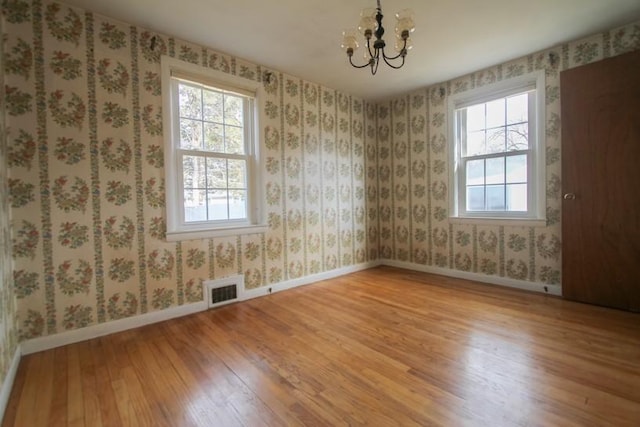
(302, 37)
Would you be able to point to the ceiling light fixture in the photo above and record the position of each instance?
(371, 25)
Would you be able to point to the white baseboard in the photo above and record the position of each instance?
(478, 277)
(7, 385)
(306, 280)
(69, 337)
(94, 331)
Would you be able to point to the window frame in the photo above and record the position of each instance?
(536, 194)
(177, 228)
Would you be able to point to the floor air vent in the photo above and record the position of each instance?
(224, 291)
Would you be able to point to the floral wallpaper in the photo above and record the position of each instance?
(85, 152)
(413, 173)
(8, 335)
(346, 181)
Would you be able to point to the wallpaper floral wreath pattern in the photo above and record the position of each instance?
(346, 181)
(413, 173)
(87, 174)
(8, 322)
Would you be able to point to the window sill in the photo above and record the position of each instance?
(512, 222)
(179, 235)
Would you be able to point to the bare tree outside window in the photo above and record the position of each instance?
(495, 147)
(213, 150)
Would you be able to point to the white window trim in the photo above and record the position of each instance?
(538, 176)
(176, 229)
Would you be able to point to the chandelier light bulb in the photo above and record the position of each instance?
(400, 44)
(367, 22)
(349, 40)
(404, 22)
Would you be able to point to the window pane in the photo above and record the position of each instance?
(190, 134)
(517, 197)
(234, 140)
(194, 205)
(475, 117)
(213, 137)
(518, 137)
(495, 152)
(517, 169)
(233, 110)
(475, 198)
(212, 106)
(475, 172)
(217, 203)
(518, 108)
(216, 173)
(495, 171)
(237, 174)
(237, 204)
(188, 166)
(475, 143)
(212, 153)
(190, 101)
(495, 140)
(495, 198)
(193, 172)
(495, 113)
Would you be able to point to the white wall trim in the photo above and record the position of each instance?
(478, 277)
(94, 331)
(7, 385)
(69, 337)
(306, 280)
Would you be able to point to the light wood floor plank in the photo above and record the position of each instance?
(59, 401)
(75, 398)
(381, 347)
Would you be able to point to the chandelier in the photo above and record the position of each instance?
(371, 25)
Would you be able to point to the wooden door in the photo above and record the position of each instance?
(601, 182)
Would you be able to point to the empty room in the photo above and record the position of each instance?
(320, 213)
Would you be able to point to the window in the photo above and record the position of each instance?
(498, 155)
(211, 152)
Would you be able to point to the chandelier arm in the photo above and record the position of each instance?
(374, 67)
(403, 52)
(391, 65)
(371, 53)
(391, 58)
(358, 66)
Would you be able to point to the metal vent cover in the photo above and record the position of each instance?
(222, 294)
(224, 291)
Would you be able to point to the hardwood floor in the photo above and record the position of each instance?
(379, 347)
